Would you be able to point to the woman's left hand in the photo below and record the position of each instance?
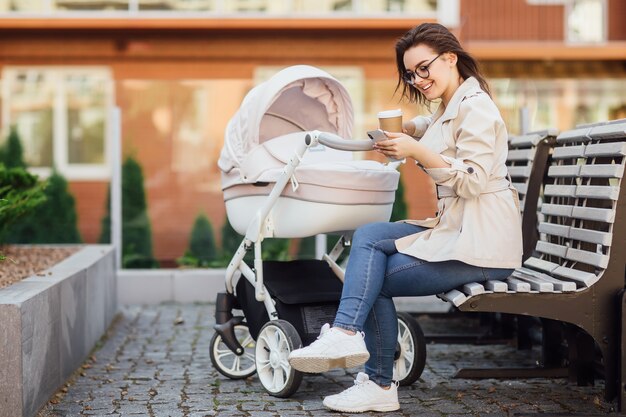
(398, 146)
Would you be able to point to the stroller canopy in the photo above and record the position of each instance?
(298, 98)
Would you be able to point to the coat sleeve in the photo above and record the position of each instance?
(421, 124)
(475, 138)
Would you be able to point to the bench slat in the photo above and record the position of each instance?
(559, 190)
(540, 264)
(574, 135)
(525, 140)
(473, 288)
(584, 278)
(557, 210)
(551, 248)
(592, 213)
(609, 130)
(605, 149)
(521, 171)
(554, 229)
(521, 154)
(564, 171)
(602, 171)
(598, 191)
(591, 236)
(520, 187)
(596, 259)
(455, 297)
(566, 152)
(496, 286)
(518, 285)
(535, 283)
(559, 285)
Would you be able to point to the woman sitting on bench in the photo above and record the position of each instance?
(476, 235)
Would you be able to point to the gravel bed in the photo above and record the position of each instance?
(24, 261)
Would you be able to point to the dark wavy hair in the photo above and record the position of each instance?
(441, 40)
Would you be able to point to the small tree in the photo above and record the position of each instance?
(54, 221)
(306, 250)
(275, 249)
(399, 210)
(230, 242)
(105, 223)
(20, 193)
(136, 230)
(202, 250)
(12, 153)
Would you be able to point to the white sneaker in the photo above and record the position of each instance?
(332, 349)
(364, 395)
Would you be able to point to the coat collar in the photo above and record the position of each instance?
(468, 88)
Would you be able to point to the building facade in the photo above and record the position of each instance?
(178, 69)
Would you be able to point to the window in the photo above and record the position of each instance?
(585, 21)
(61, 116)
(426, 8)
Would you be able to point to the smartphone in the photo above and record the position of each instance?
(377, 135)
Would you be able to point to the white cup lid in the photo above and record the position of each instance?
(389, 113)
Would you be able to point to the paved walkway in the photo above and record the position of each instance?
(155, 362)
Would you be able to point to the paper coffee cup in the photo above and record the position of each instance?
(390, 120)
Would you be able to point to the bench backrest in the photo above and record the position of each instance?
(527, 162)
(580, 199)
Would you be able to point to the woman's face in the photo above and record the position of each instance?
(439, 72)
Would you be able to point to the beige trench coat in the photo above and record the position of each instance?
(478, 219)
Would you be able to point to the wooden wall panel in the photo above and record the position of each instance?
(510, 20)
(617, 20)
(90, 198)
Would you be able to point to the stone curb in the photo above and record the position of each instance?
(49, 324)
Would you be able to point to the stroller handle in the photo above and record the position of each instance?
(337, 142)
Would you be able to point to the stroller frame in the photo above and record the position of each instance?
(261, 227)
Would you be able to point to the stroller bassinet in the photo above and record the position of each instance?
(333, 193)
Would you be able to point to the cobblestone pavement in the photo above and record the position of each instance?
(155, 362)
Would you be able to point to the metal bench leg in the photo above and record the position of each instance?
(584, 363)
(552, 338)
(551, 361)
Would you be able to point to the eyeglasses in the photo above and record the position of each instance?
(422, 71)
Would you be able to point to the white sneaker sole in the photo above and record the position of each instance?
(318, 365)
(381, 408)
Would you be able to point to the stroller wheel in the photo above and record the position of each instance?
(276, 340)
(227, 362)
(411, 350)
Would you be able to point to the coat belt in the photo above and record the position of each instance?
(493, 186)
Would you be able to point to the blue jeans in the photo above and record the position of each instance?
(376, 272)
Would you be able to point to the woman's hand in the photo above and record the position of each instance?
(398, 146)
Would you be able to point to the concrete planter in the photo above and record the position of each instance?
(50, 323)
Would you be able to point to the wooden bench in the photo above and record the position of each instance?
(527, 163)
(577, 272)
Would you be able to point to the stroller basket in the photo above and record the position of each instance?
(306, 292)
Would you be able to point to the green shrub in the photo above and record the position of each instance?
(54, 221)
(136, 230)
(400, 210)
(20, 194)
(12, 154)
(202, 251)
(230, 242)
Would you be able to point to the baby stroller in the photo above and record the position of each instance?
(286, 174)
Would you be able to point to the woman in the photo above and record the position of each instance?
(476, 235)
